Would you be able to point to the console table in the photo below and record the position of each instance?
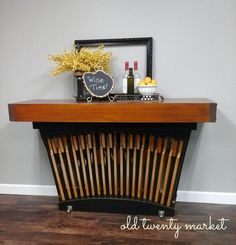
(121, 157)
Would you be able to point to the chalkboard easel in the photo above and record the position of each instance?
(99, 84)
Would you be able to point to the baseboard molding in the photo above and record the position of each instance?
(207, 197)
(182, 196)
(34, 190)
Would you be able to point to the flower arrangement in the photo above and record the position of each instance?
(82, 61)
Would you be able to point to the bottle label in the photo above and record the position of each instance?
(124, 83)
(136, 82)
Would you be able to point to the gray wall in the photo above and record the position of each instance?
(194, 56)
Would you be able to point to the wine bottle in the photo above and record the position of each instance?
(130, 81)
(136, 77)
(124, 78)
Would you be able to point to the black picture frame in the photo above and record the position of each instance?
(146, 41)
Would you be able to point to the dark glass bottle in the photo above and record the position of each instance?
(130, 81)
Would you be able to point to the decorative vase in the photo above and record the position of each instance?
(80, 92)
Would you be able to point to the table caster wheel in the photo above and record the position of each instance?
(69, 209)
(161, 214)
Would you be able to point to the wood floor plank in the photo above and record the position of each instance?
(37, 220)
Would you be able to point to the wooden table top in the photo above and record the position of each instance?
(171, 110)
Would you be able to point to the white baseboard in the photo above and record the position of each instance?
(35, 190)
(182, 196)
(206, 197)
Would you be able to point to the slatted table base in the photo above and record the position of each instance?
(120, 168)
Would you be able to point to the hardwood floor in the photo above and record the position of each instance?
(37, 220)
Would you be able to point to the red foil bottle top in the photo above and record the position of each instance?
(126, 65)
(136, 65)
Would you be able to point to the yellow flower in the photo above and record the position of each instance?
(84, 61)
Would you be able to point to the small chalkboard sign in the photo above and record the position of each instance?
(99, 84)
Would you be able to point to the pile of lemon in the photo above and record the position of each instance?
(147, 82)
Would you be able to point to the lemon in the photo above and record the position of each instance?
(142, 83)
(153, 82)
(147, 79)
